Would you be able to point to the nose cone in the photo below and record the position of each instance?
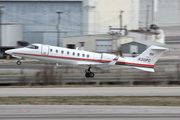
(9, 52)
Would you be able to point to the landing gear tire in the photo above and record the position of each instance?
(18, 62)
(88, 73)
(91, 74)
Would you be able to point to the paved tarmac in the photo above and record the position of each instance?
(91, 91)
(85, 112)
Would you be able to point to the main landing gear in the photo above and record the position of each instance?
(18, 62)
(88, 73)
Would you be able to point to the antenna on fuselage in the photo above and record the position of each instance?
(77, 48)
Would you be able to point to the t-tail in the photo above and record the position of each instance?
(149, 57)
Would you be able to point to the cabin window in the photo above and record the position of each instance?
(73, 53)
(56, 51)
(68, 52)
(78, 54)
(32, 47)
(87, 56)
(62, 51)
(83, 55)
(50, 50)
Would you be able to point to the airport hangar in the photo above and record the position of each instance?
(37, 19)
(108, 43)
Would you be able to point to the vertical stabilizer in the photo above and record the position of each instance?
(151, 55)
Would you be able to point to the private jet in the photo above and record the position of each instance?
(145, 61)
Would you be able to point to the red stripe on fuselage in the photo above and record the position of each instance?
(138, 64)
(96, 60)
(62, 57)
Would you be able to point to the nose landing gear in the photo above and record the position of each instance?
(88, 73)
(18, 62)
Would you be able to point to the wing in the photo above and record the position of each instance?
(94, 68)
(112, 62)
(98, 66)
(89, 63)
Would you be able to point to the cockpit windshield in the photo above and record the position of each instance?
(32, 47)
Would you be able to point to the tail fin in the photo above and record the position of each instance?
(151, 55)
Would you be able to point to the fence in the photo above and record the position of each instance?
(164, 75)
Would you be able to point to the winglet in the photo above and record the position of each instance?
(113, 62)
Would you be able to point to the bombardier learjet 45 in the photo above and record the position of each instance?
(144, 61)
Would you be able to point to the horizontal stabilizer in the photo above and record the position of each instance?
(145, 69)
(159, 48)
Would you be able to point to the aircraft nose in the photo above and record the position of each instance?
(9, 52)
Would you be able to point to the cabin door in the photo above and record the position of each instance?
(45, 50)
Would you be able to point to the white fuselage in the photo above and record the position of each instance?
(62, 55)
(74, 57)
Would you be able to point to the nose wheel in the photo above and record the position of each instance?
(88, 73)
(18, 62)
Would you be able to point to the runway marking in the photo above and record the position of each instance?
(22, 110)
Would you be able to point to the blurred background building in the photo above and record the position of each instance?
(37, 21)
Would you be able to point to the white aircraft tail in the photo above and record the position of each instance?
(150, 56)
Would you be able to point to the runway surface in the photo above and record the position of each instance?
(85, 112)
(91, 91)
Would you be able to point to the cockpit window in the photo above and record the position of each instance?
(32, 47)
